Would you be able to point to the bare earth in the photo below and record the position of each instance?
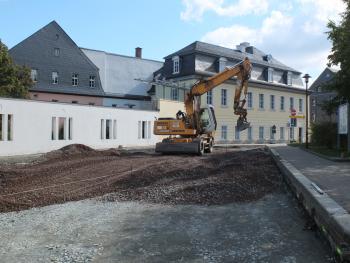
(79, 172)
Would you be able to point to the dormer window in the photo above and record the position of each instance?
(289, 78)
(75, 79)
(270, 74)
(222, 64)
(268, 58)
(92, 81)
(176, 65)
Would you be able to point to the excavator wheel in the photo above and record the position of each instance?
(201, 148)
(210, 147)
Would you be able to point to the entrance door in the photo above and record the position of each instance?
(300, 135)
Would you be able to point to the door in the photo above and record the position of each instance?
(300, 135)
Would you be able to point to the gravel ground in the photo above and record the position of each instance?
(268, 230)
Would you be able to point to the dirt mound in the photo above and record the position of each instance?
(79, 172)
(79, 150)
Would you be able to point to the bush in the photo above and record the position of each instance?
(324, 134)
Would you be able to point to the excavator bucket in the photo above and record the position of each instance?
(242, 125)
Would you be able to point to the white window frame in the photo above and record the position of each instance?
(176, 65)
(270, 75)
(282, 105)
(56, 52)
(250, 100)
(261, 102)
(223, 97)
(289, 78)
(222, 64)
(291, 103)
(34, 75)
(282, 135)
(224, 132)
(272, 102)
(210, 97)
(174, 93)
(54, 76)
(75, 79)
(261, 133)
(301, 106)
(92, 81)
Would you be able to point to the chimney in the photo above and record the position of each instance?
(242, 46)
(138, 52)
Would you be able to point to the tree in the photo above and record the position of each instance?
(14, 80)
(330, 107)
(340, 54)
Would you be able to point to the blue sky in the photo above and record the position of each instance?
(291, 30)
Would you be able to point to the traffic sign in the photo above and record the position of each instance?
(293, 112)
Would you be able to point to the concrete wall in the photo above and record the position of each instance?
(31, 129)
(86, 100)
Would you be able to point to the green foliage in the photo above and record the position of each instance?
(330, 106)
(14, 80)
(340, 54)
(324, 134)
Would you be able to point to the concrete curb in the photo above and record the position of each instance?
(332, 219)
(333, 159)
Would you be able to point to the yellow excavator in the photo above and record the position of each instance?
(193, 131)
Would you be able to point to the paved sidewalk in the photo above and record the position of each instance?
(332, 177)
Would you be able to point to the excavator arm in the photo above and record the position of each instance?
(242, 71)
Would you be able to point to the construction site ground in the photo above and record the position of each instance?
(82, 205)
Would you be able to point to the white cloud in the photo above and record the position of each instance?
(195, 9)
(294, 34)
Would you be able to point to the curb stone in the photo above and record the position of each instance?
(331, 218)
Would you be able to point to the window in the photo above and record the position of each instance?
(272, 102)
(210, 97)
(270, 75)
(224, 132)
(34, 75)
(224, 97)
(54, 77)
(272, 134)
(53, 100)
(144, 130)
(261, 101)
(108, 129)
(291, 103)
(300, 105)
(291, 133)
(53, 129)
(75, 79)
(57, 52)
(91, 103)
(174, 93)
(281, 133)
(237, 133)
(282, 103)
(289, 78)
(222, 64)
(9, 127)
(92, 81)
(250, 100)
(261, 133)
(114, 129)
(313, 117)
(102, 129)
(74, 101)
(70, 129)
(250, 133)
(176, 65)
(1, 127)
(314, 102)
(61, 128)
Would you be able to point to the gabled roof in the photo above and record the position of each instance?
(214, 50)
(325, 77)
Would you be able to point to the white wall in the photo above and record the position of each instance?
(32, 126)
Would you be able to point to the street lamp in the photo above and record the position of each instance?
(307, 77)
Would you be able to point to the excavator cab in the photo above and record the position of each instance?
(208, 119)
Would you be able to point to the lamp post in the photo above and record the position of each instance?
(307, 77)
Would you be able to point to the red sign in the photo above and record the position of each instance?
(293, 112)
